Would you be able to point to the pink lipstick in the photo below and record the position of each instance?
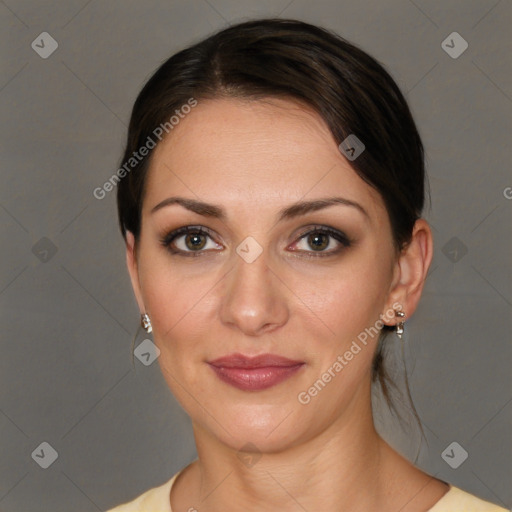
(254, 373)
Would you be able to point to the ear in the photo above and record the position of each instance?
(131, 263)
(410, 273)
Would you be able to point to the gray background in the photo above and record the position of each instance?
(68, 316)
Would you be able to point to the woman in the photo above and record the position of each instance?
(270, 199)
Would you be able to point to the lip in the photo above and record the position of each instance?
(254, 373)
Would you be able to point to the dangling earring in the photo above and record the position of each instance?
(146, 322)
(400, 325)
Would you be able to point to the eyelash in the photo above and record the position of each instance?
(169, 238)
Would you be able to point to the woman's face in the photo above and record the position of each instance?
(252, 283)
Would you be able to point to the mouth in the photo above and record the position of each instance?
(254, 373)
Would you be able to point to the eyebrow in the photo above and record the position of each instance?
(294, 210)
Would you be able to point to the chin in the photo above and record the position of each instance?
(264, 428)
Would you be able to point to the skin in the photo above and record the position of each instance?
(254, 158)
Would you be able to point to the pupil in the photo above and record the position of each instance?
(314, 239)
(196, 242)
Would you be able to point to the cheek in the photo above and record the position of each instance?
(182, 311)
(350, 302)
(181, 314)
(348, 297)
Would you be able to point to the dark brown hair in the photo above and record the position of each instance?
(291, 59)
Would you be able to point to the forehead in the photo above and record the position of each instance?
(251, 155)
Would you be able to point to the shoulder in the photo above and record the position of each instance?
(156, 499)
(457, 500)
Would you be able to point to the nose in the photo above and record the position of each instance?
(253, 297)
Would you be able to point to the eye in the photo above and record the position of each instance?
(193, 241)
(320, 238)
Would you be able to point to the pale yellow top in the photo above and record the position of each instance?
(157, 499)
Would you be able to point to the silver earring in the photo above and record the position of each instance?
(146, 322)
(400, 325)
